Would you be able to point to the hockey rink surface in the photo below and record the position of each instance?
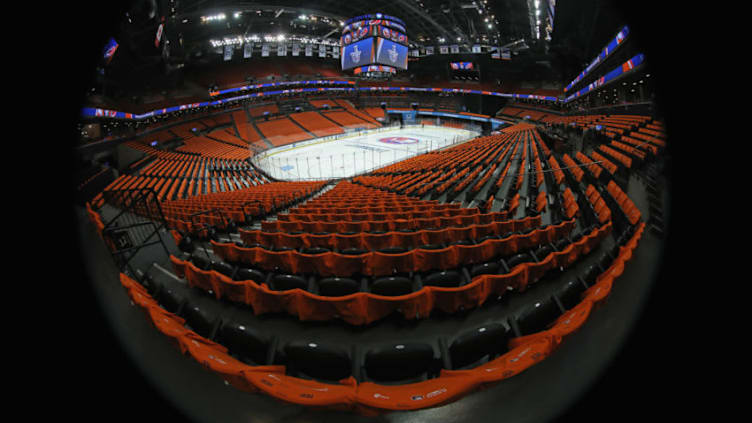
(352, 154)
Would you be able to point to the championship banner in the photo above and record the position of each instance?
(455, 49)
(158, 38)
(322, 50)
(335, 52)
(309, 50)
(429, 51)
(414, 53)
(247, 50)
(296, 49)
(265, 50)
(228, 52)
(443, 49)
(282, 49)
(476, 48)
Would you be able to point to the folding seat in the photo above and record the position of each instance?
(246, 343)
(201, 317)
(186, 244)
(487, 237)
(282, 282)
(473, 347)
(542, 252)
(489, 268)
(401, 363)
(590, 274)
(605, 260)
(570, 294)
(561, 244)
(431, 247)
(353, 251)
(244, 274)
(392, 286)
(393, 250)
(317, 361)
(337, 287)
(518, 259)
(201, 261)
(223, 268)
(171, 299)
(315, 250)
(537, 317)
(445, 278)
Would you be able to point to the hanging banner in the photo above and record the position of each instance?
(414, 53)
(322, 50)
(295, 49)
(429, 51)
(455, 49)
(247, 50)
(443, 49)
(158, 38)
(309, 50)
(265, 50)
(335, 52)
(282, 49)
(228, 52)
(476, 48)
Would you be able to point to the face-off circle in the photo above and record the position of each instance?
(399, 140)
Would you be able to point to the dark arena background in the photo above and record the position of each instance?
(399, 211)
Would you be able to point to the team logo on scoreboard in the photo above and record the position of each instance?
(355, 54)
(399, 140)
(393, 54)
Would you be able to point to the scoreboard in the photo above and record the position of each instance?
(371, 40)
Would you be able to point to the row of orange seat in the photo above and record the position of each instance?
(367, 397)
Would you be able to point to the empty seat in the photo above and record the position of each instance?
(200, 318)
(170, 299)
(590, 274)
(431, 247)
(245, 274)
(483, 343)
(487, 237)
(223, 268)
(246, 343)
(201, 261)
(570, 294)
(286, 282)
(490, 268)
(519, 259)
(399, 362)
(337, 287)
(314, 250)
(543, 252)
(446, 278)
(537, 316)
(353, 251)
(392, 286)
(561, 244)
(393, 250)
(305, 358)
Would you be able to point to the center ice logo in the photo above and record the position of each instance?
(399, 140)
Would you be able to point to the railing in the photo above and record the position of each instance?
(136, 226)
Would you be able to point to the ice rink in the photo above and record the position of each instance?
(352, 154)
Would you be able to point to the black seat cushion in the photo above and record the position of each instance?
(570, 294)
(199, 318)
(245, 274)
(519, 259)
(445, 279)
(397, 362)
(244, 342)
(317, 361)
(392, 286)
(537, 316)
(486, 341)
(286, 282)
(353, 251)
(315, 250)
(223, 268)
(337, 287)
(490, 268)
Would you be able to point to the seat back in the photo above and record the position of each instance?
(392, 286)
(245, 342)
(487, 341)
(397, 362)
(337, 287)
(317, 361)
(446, 278)
(537, 316)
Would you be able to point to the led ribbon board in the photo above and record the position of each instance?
(610, 48)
